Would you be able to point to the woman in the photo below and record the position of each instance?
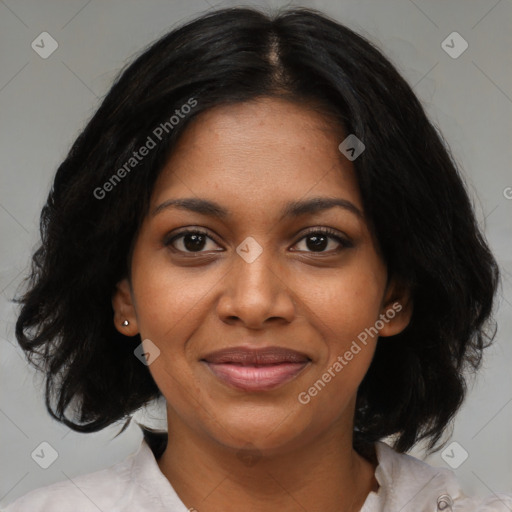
(261, 225)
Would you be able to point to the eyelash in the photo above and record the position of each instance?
(345, 243)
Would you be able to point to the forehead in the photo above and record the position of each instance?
(259, 153)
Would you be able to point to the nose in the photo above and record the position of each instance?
(256, 293)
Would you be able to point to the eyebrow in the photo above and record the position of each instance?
(292, 209)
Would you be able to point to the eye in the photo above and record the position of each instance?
(195, 241)
(317, 239)
(189, 241)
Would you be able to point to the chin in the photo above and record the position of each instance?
(271, 432)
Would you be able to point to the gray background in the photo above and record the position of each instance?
(44, 103)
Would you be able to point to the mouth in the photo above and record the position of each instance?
(256, 369)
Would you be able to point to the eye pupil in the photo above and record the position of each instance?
(197, 241)
(319, 242)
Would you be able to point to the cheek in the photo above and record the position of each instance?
(346, 309)
(168, 300)
(344, 314)
(348, 304)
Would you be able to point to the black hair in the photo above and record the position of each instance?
(413, 196)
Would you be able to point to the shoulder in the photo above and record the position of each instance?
(133, 485)
(409, 484)
(102, 490)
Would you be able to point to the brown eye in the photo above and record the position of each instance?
(317, 240)
(190, 241)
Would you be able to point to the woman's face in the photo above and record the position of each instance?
(261, 277)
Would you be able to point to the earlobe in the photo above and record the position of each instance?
(125, 320)
(397, 311)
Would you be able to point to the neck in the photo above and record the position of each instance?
(326, 475)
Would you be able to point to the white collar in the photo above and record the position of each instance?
(405, 483)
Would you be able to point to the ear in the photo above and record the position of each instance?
(397, 308)
(124, 309)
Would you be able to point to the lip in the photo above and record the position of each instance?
(259, 369)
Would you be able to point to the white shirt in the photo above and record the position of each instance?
(137, 485)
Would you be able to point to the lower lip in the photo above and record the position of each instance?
(252, 378)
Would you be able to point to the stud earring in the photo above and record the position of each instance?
(125, 323)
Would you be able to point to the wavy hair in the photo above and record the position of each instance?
(413, 194)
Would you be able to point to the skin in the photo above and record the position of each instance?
(232, 450)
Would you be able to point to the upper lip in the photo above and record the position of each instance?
(256, 356)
